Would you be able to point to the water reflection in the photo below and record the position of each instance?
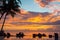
(30, 33)
(1, 38)
(29, 37)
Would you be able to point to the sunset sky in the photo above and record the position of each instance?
(35, 15)
(31, 5)
(36, 5)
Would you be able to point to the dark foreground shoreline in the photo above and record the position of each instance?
(21, 35)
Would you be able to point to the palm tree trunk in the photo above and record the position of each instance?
(3, 23)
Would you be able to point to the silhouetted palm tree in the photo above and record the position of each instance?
(34, 35)
(39, 35)
(50, 36)
(8, 35)
(44, 35)
(20, 35)
(9, 7)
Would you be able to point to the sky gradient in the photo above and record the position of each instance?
(33, 21)
(30, 5)
(35, 15)
(37, 6)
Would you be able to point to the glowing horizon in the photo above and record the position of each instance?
(35, 15)
(30, 21)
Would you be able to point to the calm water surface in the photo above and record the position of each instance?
(29, 36)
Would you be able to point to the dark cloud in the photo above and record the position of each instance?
(52, 23)
(32, 23)
(50, 4)
(34, 14)
(43, 3)
(56, 28)
(43, 14)
(22, 23)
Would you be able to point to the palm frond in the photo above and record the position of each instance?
(16, 10)
(19, 1)
(12, 5)
(2, 15)
(12, 13)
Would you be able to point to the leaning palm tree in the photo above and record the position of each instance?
(9, 7)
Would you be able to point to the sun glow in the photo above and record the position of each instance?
(32, 22)
(28, 27)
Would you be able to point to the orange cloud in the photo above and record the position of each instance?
(50, 4)
(30, 21)
(57, 0)
(24, 11)
(28, 27)
(30, 17)
(43, 3)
